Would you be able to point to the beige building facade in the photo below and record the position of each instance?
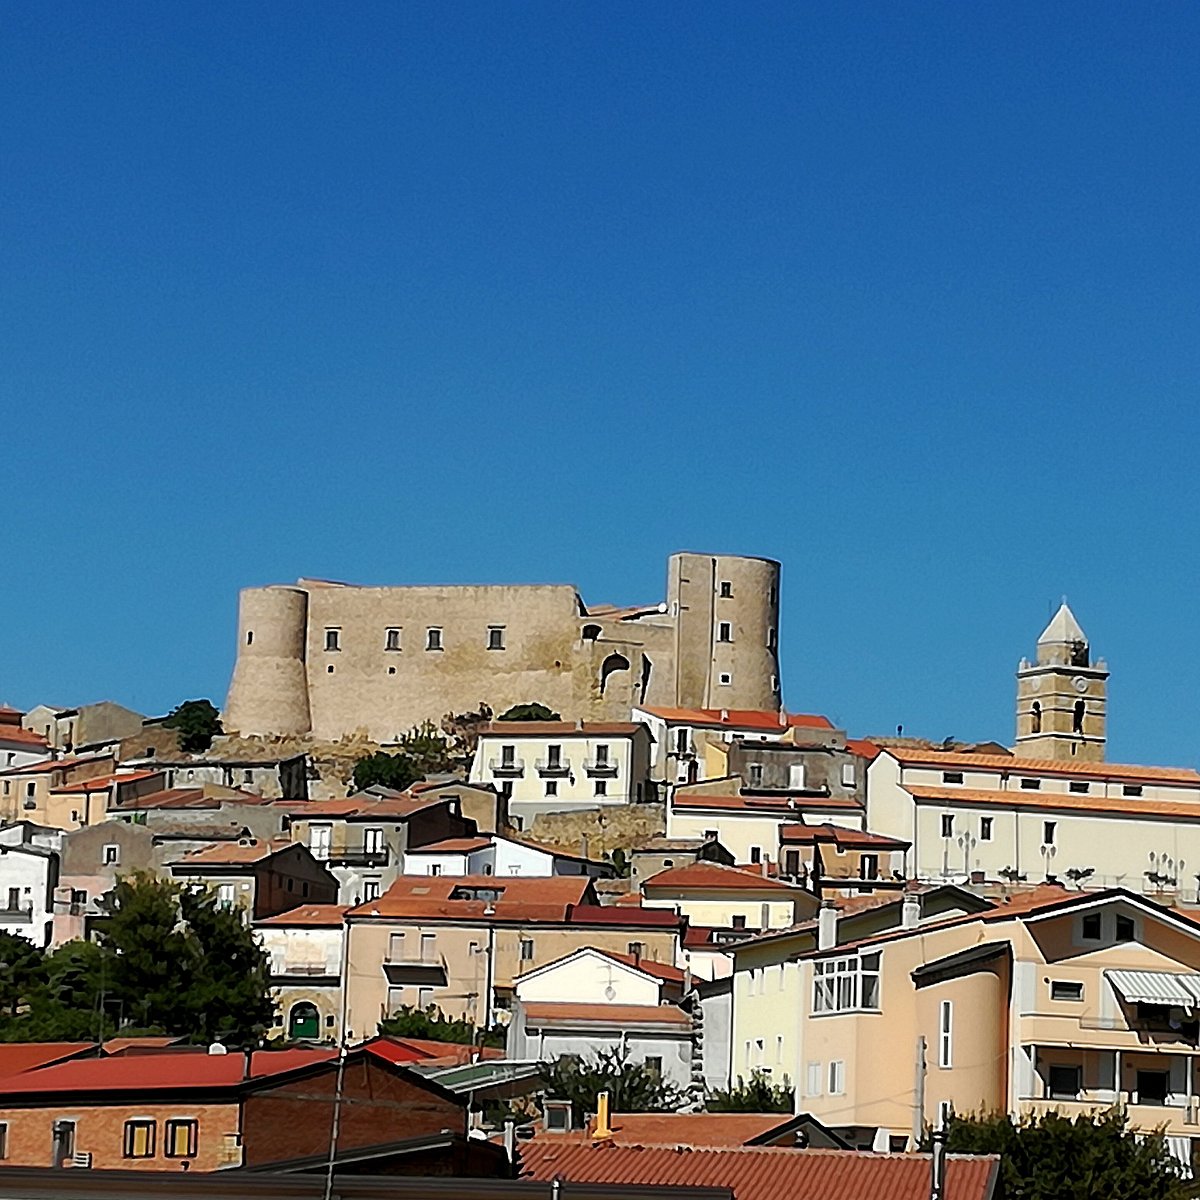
(328, 659)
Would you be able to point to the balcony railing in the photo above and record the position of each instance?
(512, 768)
(553, 767)
(358, 856)
(16, 916)
(605, 768)
(430, 971)
(304, 970)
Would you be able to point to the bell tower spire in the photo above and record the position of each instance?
(1062, 696)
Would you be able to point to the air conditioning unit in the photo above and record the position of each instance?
(81, 1158)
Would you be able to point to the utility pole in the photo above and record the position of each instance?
(937, 1161)
(918, 1116)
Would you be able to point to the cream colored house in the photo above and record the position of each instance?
(1102, 824)
(558, 766)
(732, 898)
(306, 947)
(1049, 999)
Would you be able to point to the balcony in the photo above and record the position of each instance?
(600, 768)
(311, 971)
(507, 768)
(358, 856)
(421, 972)
(553, 768)
(16, 916)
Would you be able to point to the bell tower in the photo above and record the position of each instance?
(1062, 696)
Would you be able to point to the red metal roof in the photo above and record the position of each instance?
(759, 1172)
(685, 1129)
(16, 1057)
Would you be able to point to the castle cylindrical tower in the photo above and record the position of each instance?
(726, 610)
(269, 690)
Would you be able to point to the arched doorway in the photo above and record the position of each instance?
(304, 1021)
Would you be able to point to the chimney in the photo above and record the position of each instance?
(724, 714)
(910, 910)
(827, 923)
(603, 1131)
(248, 1070)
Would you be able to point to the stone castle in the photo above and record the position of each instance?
(329, 659)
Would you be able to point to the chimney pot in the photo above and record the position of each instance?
(827, 923)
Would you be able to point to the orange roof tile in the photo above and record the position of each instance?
(863, 747)
(561, 728)
(520, 897)
(18, 735)
(455, 845)
(193, 797)
(244, 851)
(607, 1014)
(55, 764)
(759, 1172)
(844, 839)
(782, 806)
(309, 915)
(686, 1129)
(758, 720)
(1012, 765)
(1041, 801)
(104, 782)
(659, 970)
(353, 807)
(711, 876)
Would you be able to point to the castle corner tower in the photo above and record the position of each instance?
(1062, 696)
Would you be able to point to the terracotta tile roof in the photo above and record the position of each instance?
(520, 897)
(351, 808)
(563, 729)
(843, 839)
(606, 1014)
(759, 1172)
(1012, 765)
(407, 1049)
(1133, 806)
(457, 845)
(16, 1057)
(625, 917)
(684, 1129)
(309, 916)
(659, 970)
(193, 797)
(18, 735)
(244, 851)
(760, 721)
(711, 876)
(168, 1071)
(104, 782)
(863, 747)
(56, 764)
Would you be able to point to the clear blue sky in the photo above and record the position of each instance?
(904, 295)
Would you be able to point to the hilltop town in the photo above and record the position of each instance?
(472, 880)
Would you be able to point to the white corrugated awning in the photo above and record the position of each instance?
(1156, 987)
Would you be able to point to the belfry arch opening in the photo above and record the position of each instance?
(611, 665)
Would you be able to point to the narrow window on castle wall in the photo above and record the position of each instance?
(392, 640)
(433, 638)
(725, 631)
(333, 639)
(495, 638)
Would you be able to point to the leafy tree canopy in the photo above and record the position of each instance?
(197, 723)
(396, 771)
(167, 959)
(529, 712)
(1053, 1157)
(422, 751)
(432, 1023)
(757, 1095)
(632, 1087)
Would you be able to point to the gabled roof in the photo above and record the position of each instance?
(55, 764)
(760, 1172)
(308, 916)
(205, 796)
(663, 972)
(18, 1057)
(18, 735)
(915, 756)
(757, 720)
(863, 747)
(712, 876)
(1130, 806)
(836, 835)
(103, 782)
(245, 851)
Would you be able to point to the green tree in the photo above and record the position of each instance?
(433, 1024)
(1054, 1157)
(429, 749)
(229, 996)
(632, 1087)
(396, 771)
(197, 722)
(529, 712)
(22, 971)
(759, 1095)
(621, 864)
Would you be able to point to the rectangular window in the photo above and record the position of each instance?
(1132, 789)
(1065, 1082)
(772, 638)
(1080, 786)
(551, 787)
(180, 1136)
(985, 829)
(1125, 929)
(508, 756)
(947, 825)
(812, 1079)
(1048, 831)
(946, 1034)
(756, 854)
(602, 756)
(433, 638)
(396, 947)
(1065, 989)
(847, 983)
(139, 1139)
(636, 949)
(112, 854)
(1031, 785)
(739, 920)
(527, 949)
(63, 1142)
(601, 787)
(952, 777)
(754, 774)
(1090, 928)
(428, 947)
(14, 899)
(370, 889)
(1153, 1087)
(726, 589)
(225, 894)
(3, 1139)
(724, 679)
(796, 777)
(682, 740)
(392, 639)
(553, 757)
(654, 1064)
(495, 639)
(837, 1077)
(848, 779)
(868, 866)
(725, 631)
(333, 639)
